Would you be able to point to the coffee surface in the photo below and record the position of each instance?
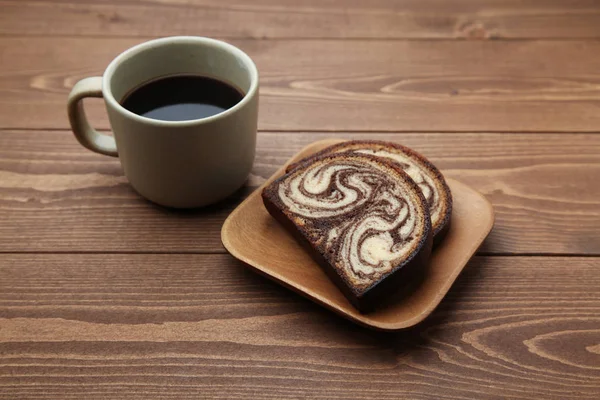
(181, 98)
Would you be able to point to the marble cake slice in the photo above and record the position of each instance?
(429, 179)
(362, 218)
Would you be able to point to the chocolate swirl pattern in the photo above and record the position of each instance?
(364, 218)
(425, 182)
(429, 179)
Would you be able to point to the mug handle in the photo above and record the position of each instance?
(85, 134)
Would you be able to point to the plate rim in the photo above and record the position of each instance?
(360, 319)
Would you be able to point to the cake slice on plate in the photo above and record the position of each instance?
(362, 218)
(429, 179)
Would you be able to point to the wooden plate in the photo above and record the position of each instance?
(251, 235)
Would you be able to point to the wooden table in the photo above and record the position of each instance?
(105, 296)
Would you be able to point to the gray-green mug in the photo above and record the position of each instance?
(178, 164)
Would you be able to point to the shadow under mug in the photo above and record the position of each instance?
(180, 164)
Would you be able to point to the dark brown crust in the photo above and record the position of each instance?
(441, 233)
(388, 284)
(442, 228)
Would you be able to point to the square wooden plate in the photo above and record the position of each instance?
(254, 237)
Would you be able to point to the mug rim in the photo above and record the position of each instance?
(133, 51)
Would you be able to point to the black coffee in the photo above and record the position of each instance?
(181, 98)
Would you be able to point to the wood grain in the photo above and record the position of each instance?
(84, 315)
(57, 196)
(352, 85)
(190, 326)
(414, 19)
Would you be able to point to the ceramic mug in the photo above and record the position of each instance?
(178, 164)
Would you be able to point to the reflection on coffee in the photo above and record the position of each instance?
(181, 98)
